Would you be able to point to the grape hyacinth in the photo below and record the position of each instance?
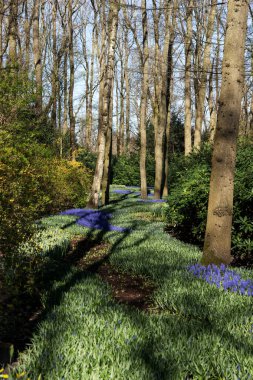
(124, 192)
(223, 277)
(98, 220)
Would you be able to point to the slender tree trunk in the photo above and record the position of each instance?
(203, 77)
(71, 83)
(217, 246)
(188, 57)
(13, 32)
(113, 25)
(161, 111)
(168, 100)
(55, 82)
(127, 141)
(65, 93)
(37, 56)
(122, 110)
(143, 105)
(108, 157)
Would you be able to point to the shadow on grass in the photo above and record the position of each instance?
(183, 330)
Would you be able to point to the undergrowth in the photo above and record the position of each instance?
(195, 330)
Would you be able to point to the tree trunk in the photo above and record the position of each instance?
(108, 157)
(13, 32)
(188, 56)
(162, 93)
(217, 246)
(168, 101)
(113, 25)
(122, 110)
(203, 77)
(127, 93)
(71, 83)
(143, 105)
(55, 68)
(37, 56)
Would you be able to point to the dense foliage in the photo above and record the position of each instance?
(126, 170)
(188, 199)
(33, 182)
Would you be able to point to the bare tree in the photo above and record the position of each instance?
(106, 100)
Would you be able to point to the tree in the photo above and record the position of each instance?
(105, 104)
(217, 245)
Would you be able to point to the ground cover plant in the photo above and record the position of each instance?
(193, 330)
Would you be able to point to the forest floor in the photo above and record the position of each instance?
(125, 307)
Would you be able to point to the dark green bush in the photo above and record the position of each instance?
(126, 170)
(188, 199)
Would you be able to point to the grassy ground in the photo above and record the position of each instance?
(194, 331)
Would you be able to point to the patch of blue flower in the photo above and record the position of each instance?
(223, 277)
(95, 219)
(124, 192)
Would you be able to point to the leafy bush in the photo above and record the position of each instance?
(188, 199)
(126, 170)
(33, 181)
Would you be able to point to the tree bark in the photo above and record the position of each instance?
(143, 105)
(37, 56)
(71, 83)
(188, 57)
(203, 77)
(113, 25)
(217, 246)
(108, 157)
(55, 82)
(13, 32)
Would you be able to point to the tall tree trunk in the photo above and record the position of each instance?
(158, 127)
(161, 110)
(113, 25)
(108, 156)
(27, 30)
(65, 93)
(213, 114)
(188, 57)
(55, 82)
(13, 32)
(37, 56)
(71, 83)
(127, 141)
(122, 110)
(143, 105)
(168, 100)
(217, 246)
(203, 77)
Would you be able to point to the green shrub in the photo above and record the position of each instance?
(126, 170)
(188, 199)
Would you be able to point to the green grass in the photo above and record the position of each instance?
(195, 331)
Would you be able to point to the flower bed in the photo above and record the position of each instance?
(223, 277)
(94, 219)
